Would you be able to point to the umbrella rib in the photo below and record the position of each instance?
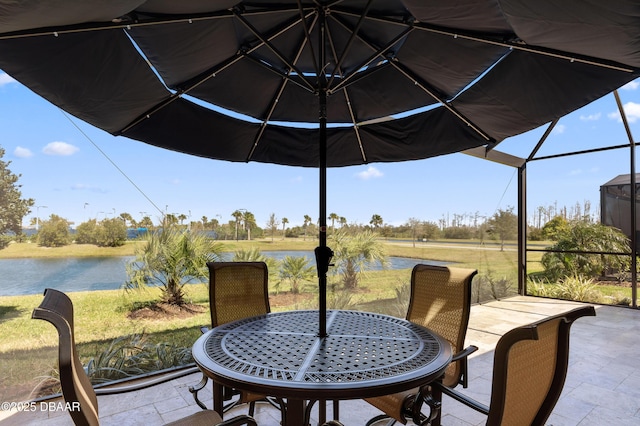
(521, 45)
(204, 76)
(275, 100)
(285, 76)
(352, 38)
(307, 34)
(187, 86)
(181, 91)
(427, 89)
(349, 79)
(147, 114)
(356, 128)
(432, 92)
(271, 47)
(500, 40)
(127, 22)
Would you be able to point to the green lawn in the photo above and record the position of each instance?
(28, 347)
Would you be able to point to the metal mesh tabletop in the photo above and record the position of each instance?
(364, 354)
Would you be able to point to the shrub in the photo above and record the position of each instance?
(86, 232)
(489, 287)
(582, 236)
(575, 288)
(125, 356)
(5, 240)
(54, 232)
(111, 233)
(401, 302)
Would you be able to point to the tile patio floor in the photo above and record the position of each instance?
(602, 387)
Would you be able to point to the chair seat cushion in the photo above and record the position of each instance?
(393, 405)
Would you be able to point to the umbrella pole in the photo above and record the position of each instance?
(323, 253)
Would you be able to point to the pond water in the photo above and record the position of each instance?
(32, 276)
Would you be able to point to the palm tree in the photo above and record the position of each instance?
(237, 216)
(170, 220)
(145, 222)
(248, 222)
(352, 255)
(376, 221)
(255, 255)
(296, 269)
(284, 223)
(307, 221)
(343, 221)
(128, 219)
(171, 259)
(333, 217)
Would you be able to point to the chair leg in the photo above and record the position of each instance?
(434, 401)
(197, 388)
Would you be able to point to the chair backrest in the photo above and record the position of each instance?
(529, 369)
(237, 290)
(57, 308)
(441, 301)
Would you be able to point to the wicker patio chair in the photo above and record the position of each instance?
(529, 369)
(237, 290)
(441, 301)
(57, 308)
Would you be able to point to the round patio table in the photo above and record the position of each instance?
(280, 354)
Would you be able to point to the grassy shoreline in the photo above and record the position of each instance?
(28, 348)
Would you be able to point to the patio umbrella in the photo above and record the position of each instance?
(321, 83)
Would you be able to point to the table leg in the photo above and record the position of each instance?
(218, 398)
(322, 411)
(294, 414)
(436, 405)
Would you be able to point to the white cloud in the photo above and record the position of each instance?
(85, 187)
(370, 173)
(559, 129)
(60, 148)
(296, 179)
(575, 172)
(591, 117)
(6, 79)
(632, 111)
(632, 85)
(21, 152)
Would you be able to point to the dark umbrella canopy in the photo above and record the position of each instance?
(482, 70)
(320, 83)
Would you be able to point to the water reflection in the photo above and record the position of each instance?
(32, 276)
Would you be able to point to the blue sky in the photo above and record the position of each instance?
(80, 172)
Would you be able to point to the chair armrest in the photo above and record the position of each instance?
(464, 353)
(464, 399)
(161, 377)
(204, 329)
(463, 356)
